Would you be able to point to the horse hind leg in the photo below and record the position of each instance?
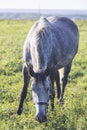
(64, 72)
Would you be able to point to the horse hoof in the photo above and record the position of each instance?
(19, 112)
(52, 108)
(61, 102)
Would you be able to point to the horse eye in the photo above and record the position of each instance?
(32, 86)
(48, 88)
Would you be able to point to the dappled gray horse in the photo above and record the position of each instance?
(50, 46)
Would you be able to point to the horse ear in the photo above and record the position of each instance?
(31, 72)
(47, 72)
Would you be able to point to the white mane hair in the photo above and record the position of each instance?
(43, 29)
(40, 38)
(43, 22)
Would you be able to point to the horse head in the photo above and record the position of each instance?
(40, 86)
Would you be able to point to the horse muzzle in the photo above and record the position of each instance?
(41, 118)
(41, 112)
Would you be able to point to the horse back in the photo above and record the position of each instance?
(52, 41)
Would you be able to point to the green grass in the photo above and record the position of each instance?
(71, 116)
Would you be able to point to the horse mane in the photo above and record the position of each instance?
(43, 23)
(43, 29)
(40, 38)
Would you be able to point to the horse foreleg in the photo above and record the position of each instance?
(52, 92)
(61, 77)
(26, 79)
(57, 80)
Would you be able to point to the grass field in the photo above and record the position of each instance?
(71, 116)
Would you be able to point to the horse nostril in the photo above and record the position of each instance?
(38, 119)
(41, 118)
(44, 118)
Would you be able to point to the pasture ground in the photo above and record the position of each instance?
(71, 116)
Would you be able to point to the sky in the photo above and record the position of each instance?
(43, 4)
